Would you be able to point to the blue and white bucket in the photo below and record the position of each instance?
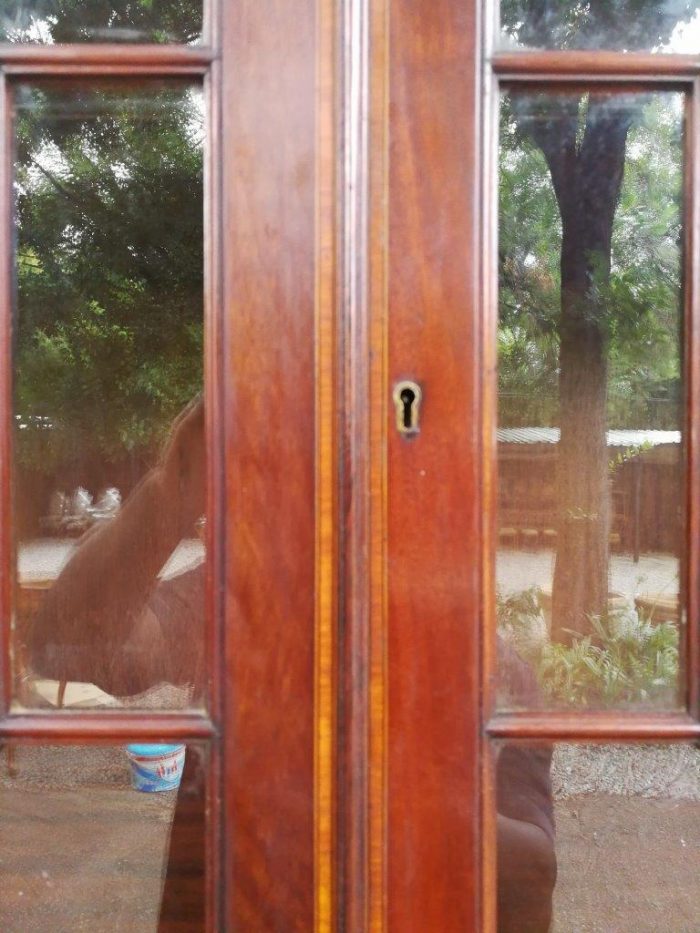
(156, 767)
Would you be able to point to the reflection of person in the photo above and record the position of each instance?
(109, 621)
(527, 866)
(107, 604)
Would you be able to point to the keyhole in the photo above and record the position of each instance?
(408, 397)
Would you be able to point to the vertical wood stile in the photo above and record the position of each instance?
(487, 312)
(215, 332)
(434, 489)
(356, 470)
(690, 579)
(7, 572)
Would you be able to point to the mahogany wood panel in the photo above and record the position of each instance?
(108, 725)
(590, 65)
(607, 725)
(434, 495)
(76, 55)
(268, 200)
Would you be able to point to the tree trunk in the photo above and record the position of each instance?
(587, 178)
(581, 569)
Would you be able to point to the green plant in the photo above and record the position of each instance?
(625, 661)
(521, 623)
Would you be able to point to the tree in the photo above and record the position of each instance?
(583, 140)
(109, 333)
(101, 20)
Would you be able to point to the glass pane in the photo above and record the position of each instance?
(619, 25)
(109, 477)
(53, 21)
(83, 849)
(598, 837)
(591, 507)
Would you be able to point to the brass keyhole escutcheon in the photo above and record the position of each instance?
(407, 397)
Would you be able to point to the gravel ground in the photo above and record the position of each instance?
(79, 848)
(669, 772)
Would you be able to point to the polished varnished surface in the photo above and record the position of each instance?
(433, 494)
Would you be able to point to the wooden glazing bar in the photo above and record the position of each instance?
(214, 328)
(596, 726)
(6, 405)
(105, 53)
(592, 66)
(106, 725)
(487, 313)
(355, 726)
(690, 584)
(103, 69)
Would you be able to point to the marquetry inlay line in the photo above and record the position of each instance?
(326, 476)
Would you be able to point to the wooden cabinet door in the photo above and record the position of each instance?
(353, 731)
(431, 747)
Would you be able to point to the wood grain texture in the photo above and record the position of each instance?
(327, 458)
(600, 726)
(592, 65)
(354, 749)
(434, 492)
(487, 313)
(59, 726)
(77, 55)
(377, 818)
(268, 142)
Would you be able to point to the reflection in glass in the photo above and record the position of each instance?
(109, 482)
(625, 852)
(590, 400)
(618, 25)
(83, 850)
(51, 21)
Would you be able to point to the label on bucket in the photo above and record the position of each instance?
(156, 767)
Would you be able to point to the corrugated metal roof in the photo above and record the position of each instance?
(616, 438)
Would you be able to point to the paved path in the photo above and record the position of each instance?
(655, 573)
(44, 558)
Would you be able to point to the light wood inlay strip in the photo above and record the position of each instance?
(326, 475)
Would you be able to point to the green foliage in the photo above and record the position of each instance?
(593, 24)
(109, 272)
(636, 289)
(521, 623)
(100, 20)
(625, 661)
